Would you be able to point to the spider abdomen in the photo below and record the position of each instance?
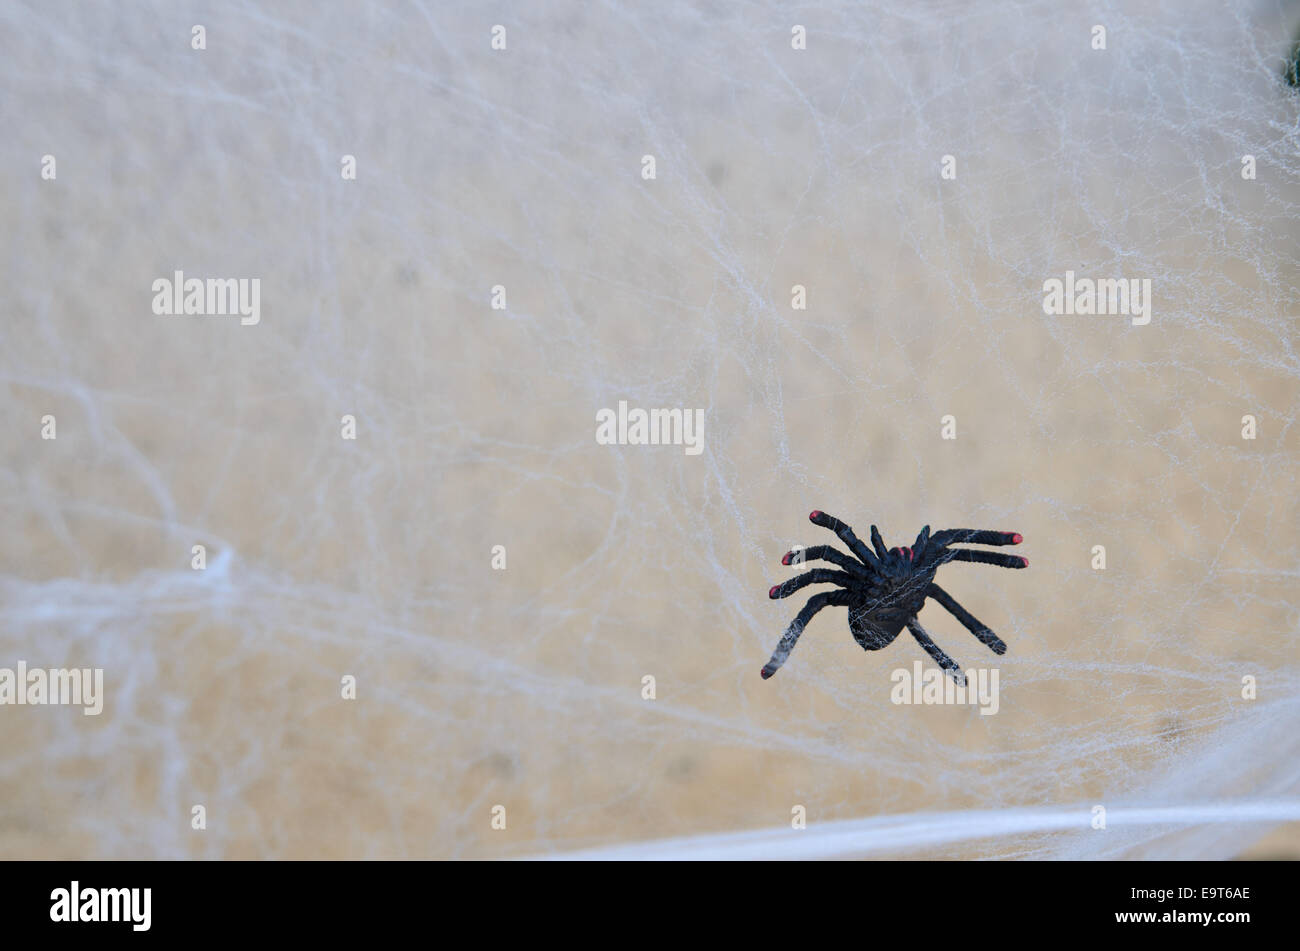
(872, 632)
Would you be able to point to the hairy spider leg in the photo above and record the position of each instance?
(973, 624)
(983, 558)
(973, 536)
(846, 536)
(922, 541)
(878, 543)
(816, 576)
(931, 648)
(827, 553)
(791, 635)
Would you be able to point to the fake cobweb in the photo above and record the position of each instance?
(523, 688)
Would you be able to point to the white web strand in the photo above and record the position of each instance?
(919, 831)
(1189, 830)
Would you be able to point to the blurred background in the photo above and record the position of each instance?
(475, 427)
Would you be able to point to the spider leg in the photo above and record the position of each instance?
(983, 558)
(935, 652)
(973, 624)
(878, 543)
(816, 576)
(972, 536)
(791, 635)
(922, 542)
(846, 536)
(827, 553)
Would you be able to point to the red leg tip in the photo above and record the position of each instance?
(771, 592)
(764, 674)
(785, 559)
(1017, 538)
(814, 515)
(1024, 562)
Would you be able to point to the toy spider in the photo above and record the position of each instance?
(885, 591)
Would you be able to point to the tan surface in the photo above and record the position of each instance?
(476, 427)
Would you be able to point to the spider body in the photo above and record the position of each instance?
(885, 590)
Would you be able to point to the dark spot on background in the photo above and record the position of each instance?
(501, 765)
(407, 275)
(1172, 730)
(681, 769)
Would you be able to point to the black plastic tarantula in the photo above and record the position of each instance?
(884, 592)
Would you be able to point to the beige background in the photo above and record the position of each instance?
(476, 427)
